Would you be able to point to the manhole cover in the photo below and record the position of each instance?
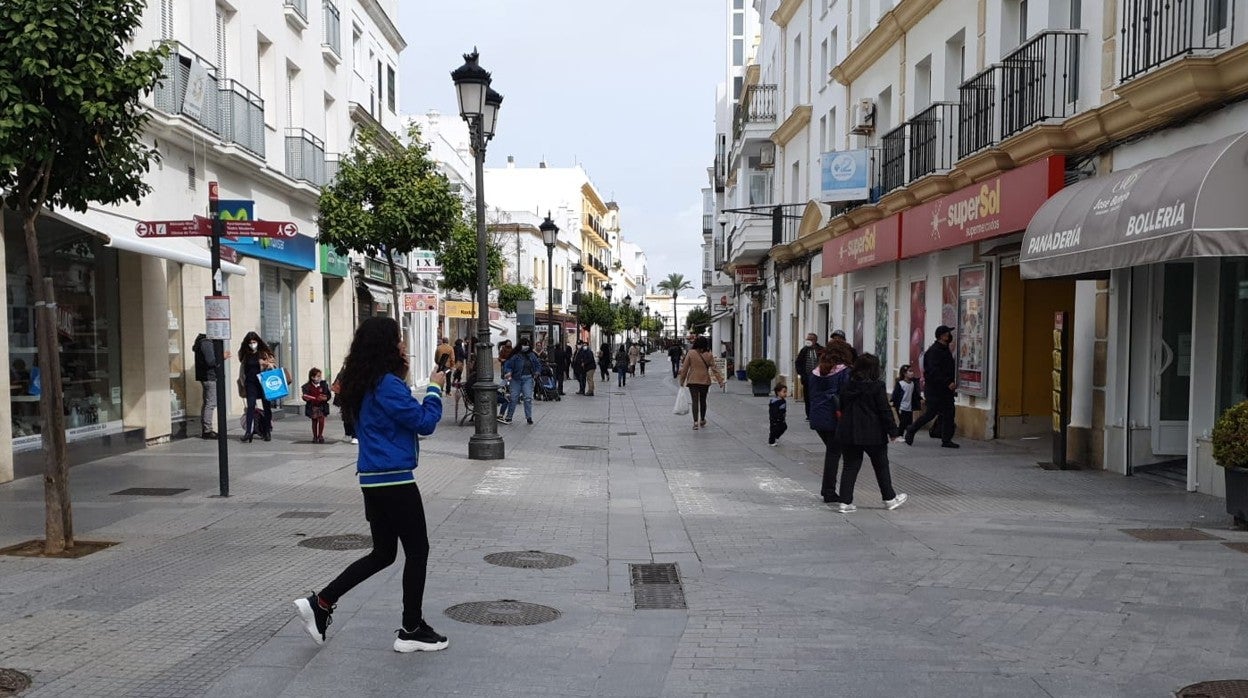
(304, 514)
(13, 682)
(351, 541)
(502, 613)
(628, 433)
(1238, 547)
(152, 491)
(1234, 688)
(581, 447)
(1168, 534)
(530, 560)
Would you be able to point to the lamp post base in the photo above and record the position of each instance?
(485, 447)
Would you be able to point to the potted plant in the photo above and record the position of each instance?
(760, 372)
(1230, 450)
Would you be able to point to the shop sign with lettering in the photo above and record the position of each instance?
(865, 247)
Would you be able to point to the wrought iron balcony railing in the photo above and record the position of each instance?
(305, 157)
(933, 139)
(893, 159)
(331, 167)
(978, 122)
(1156, 31)
(170, 95)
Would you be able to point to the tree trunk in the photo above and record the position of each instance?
(58, 517)
(394, 290)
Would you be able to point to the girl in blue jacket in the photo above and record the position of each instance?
(387, 420)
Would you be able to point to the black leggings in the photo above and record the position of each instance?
(395, 514)
(879, 463)
(831, 462)
(697, 393)
(255, 394)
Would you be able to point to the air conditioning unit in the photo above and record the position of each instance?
(767, 158)
(864, 121)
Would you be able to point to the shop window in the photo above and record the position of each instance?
(1233, 328)
(180, 363)
(84, 274)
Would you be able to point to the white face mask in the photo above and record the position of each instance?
(810, 342)
(254, 346)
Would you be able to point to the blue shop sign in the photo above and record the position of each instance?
(299, 251)
(843, 176)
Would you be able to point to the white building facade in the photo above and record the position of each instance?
(926, 161)
(277, 91)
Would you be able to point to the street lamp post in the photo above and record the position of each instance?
(628, 310)
(578, 278)
(550, 235)
(606, 292)
(478, 105)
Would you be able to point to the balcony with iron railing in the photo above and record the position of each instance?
(242, 117)
(170, 95)
(305, 157)
(757, 106)
(1036, 82)
(331, 37)
(892, 159)
(332, 161)
(1155, 31)
(933, 135)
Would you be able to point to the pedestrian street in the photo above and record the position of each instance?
(997, 578)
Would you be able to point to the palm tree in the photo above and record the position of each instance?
(674, 284)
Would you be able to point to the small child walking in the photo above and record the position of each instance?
(777, 413)
(316, 398)
(905, 397)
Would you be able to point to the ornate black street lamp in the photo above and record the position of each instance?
(550, 235)
(606, 292)
(479, 105)
(578, 278)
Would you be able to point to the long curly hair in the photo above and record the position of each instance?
(374, 353)
(244, 349)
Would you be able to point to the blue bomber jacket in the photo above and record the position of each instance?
(390, 419)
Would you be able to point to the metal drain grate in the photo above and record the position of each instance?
(507, 612)
(581, 447)
(350, 541)
(1233, 688)
(1238, 547)
(1168, 534)
(152, 491)
(13, 682)
(305, 515)
(530, 560)
(657, 586)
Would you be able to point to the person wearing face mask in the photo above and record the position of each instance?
(522, 368)
(316, 403)
(807, 360)
(256, 357)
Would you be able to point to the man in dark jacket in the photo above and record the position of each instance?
(206, 373)
(586, 366)
(677, 354)
(807, 360)
(561, 356)
(940, 375)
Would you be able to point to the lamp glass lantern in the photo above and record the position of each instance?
(489, 120)
(550, 234)
(606, 291)
(472, 82)
(578, 274)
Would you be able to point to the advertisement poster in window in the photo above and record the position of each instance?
(860, 308)
(972, 329)
(948, 308)
(881, 327)
(918, 324)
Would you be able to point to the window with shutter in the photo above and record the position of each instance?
(222, 55)
(166, 19)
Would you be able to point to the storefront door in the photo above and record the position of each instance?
(1171, 357)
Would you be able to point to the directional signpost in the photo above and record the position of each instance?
(216, 228)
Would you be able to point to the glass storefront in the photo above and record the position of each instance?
(181, 365)
(1233, 330)
(85, 279)
(277, 315)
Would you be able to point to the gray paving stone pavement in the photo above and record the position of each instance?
(996, 579)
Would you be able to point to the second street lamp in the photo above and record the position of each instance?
(606, 292)
(578, 278)
(550, 235)
(479, 105)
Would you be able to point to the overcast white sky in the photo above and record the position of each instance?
(625, 88)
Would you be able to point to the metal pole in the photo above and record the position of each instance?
(486, 443)
(550, 301)
(218, 347)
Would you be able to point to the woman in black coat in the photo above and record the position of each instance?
(866, 426)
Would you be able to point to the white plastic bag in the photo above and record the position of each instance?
(682, 402)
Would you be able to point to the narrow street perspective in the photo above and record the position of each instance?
(616, 552)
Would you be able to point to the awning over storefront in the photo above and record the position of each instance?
(119, 233)
(381, 293)
(1193, 203)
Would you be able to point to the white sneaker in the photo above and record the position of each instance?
(846, 508)
(354, 440)
(896, 501)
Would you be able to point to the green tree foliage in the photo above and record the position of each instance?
(70, 135)
(509, 294)
(595, 310)
(459, 258)
(387, 201)
(698, 320)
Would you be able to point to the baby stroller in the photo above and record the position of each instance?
(546, 387)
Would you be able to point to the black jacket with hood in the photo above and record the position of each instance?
(866, 416)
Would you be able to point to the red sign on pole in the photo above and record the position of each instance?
(213, 191)
(203, 226)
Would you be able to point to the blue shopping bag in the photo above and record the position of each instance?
(273, 382)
